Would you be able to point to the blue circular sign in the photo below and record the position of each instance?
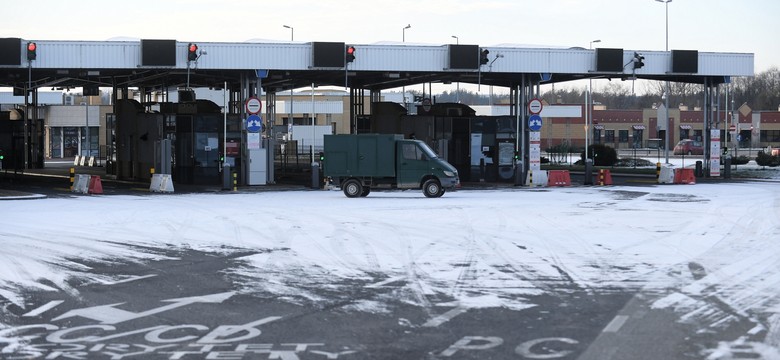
(535, 122)
(254, 123)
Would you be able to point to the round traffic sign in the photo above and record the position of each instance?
(535, 106)
(426, 104)
(535, 122)
(254, 123)
(254, 105)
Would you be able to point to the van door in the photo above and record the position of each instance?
(412, 164)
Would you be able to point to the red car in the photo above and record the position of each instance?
(689, 147)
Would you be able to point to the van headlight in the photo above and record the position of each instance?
(449, 173)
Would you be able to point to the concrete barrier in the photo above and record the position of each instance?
(558, 178)
(161, 183)
(666, 175)
(536, 178)
(95, 185)
(81, 185)
(684, 176)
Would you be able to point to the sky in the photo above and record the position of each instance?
(415, 248)
(706, 25)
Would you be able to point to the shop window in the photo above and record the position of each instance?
(623, 136)
(609, 136)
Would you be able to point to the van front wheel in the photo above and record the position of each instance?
(352, 188)
(432, 188)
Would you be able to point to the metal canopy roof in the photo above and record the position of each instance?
(376, 67)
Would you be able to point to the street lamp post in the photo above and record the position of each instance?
(86, 119)
(403, 39)
(667, 93)
(290, 118)
(588, 106)
(292, 32)
(457, 89)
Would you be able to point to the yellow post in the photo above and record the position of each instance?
(72, 176)
(657, 171)
(235, 181)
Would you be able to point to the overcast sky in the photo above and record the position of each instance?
(747, 26)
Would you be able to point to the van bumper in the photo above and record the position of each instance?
(450, 183)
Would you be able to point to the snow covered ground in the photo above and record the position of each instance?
(709, 251)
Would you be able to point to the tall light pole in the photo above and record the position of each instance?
(668, 94)
(403, 39)
(457, 91)
(292, 32)
(290, 118)
(588, 107)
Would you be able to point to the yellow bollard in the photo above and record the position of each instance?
(235, 181)
(72, 176)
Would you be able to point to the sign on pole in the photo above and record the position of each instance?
(254, 105)
(535, 106)
(535, 122)
(426, 104)
(715, 152)
(254, 123)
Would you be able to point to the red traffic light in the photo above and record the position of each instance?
(31, 51)
(350, 55)
(192, 52)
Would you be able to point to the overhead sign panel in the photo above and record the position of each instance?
(158, 52)
(327, 54)
(10, 51)
(609, 60)
(463, 56)
(685, 61)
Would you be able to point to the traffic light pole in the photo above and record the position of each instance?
(27, 116)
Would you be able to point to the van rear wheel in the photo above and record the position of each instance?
(352, 188)
(432, 188)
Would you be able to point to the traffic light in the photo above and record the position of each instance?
(639, 61)
(192, 52)
(31, 51)
(517, 155)
(322, 156)
(2, 156)
(483, 56)
(350, 56)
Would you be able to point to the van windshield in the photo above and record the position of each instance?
(428, 151)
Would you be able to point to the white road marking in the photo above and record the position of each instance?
(443, 318)
(616, 323)
(132, 278)
(50, 305)
(108, 314)
(385, 282)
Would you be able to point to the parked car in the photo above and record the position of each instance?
(689, 147)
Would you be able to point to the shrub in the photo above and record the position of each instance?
(763, 159)
(602, 155)
(740, 160)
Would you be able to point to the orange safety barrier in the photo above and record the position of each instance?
(558, 178)
(95, 185)
(684, 176)
(605, 177)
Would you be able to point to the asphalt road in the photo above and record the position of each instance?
(188, 307)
